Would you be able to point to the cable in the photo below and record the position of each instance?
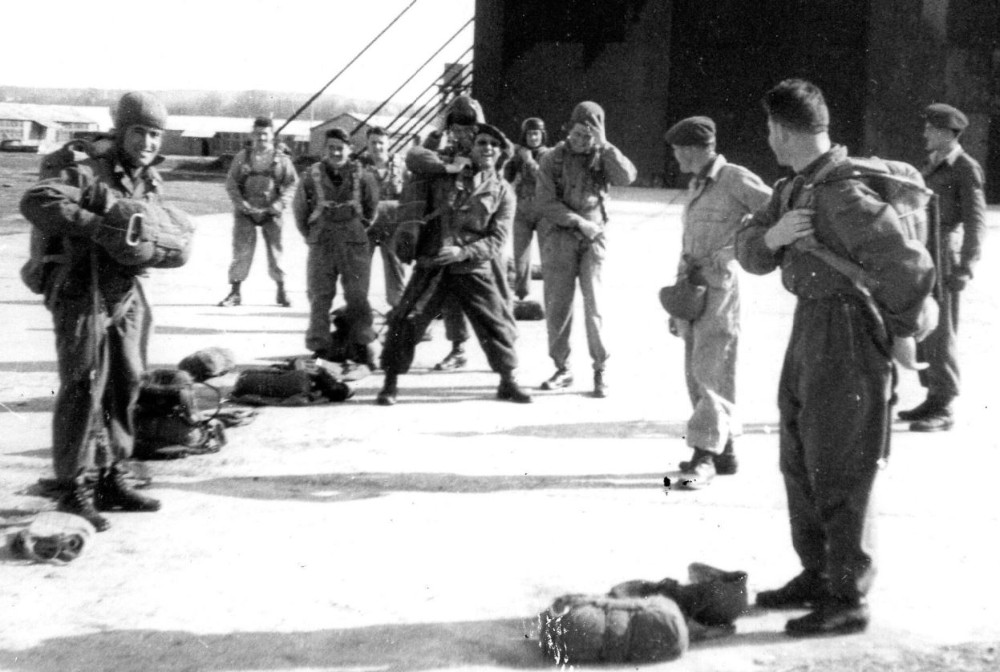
(342, 70)
(410, 78)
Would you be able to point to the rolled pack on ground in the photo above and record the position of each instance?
(597, 628)
(138, 233)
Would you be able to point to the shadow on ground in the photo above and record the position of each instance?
(388, 648)
(349, 487)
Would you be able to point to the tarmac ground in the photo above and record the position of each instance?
(428, 536)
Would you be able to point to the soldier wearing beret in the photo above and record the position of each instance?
(720, 196)
(957, 179)
(100, 314)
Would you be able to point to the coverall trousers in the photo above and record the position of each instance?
(710, 347)
(477, 294)
(566, 258)
(940, 348)
(245, 244)
(526, 221)
(382, 235)
(328, 260)
(834, 400)
(101, 362)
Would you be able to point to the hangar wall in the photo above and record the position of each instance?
(652, 62)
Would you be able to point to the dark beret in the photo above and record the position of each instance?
(494, 132)
(263, 122)
(338, 133)
(940, 115)
(691, 131)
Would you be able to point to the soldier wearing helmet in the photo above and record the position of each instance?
(522, 172)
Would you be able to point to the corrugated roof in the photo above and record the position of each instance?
(56, 115)
(382, 120)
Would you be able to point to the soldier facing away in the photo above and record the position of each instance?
(835, 392)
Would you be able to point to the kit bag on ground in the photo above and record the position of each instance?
(208, 363)
(297, 382)
(713, 597)
(168, 423)
(598, 628)
(138, 233)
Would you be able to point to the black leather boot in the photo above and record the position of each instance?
(78, 499)
(234, 298)
(113, 492)
(282, 299)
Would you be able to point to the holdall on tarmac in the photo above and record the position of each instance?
(137, 233)
(297, 382)
(208, 363)
(528, 311)
(714, 597)
(597, 628)
(168, 424)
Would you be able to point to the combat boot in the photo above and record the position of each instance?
(509, 390)
(560, 379)
(808, 589)
(725, 462)
(114, 492)
(234, 298)
(600, 385)
(78, 499)
(282, 299)
(926, 409)
(834, 616)
(455, 359)
(387, 396)
(699, 471)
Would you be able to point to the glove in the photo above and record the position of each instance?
(957, 281)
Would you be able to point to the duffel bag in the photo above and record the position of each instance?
(596, 628)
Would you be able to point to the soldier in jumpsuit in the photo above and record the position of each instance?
(260, 183)
(460, 257)
(837, 379)
(335, 203)
(573, 183)
(390, 172)
(100, 315)
(522, 171)
(720, 196)
(957, 179)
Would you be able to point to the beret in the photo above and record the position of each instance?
(691, 131)
(338, 133)
(482, 128)
(940, 115)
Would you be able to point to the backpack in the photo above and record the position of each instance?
(900, 186)
(45, 250)
(168, 423)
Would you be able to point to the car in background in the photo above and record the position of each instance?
(14, 145)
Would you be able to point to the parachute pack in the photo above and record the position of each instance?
(168, 423)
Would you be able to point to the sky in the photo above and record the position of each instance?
(230, 45)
